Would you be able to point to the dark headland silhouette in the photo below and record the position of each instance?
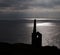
(35, 48)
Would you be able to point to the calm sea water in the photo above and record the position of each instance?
(20, 31)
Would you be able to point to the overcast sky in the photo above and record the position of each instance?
(15, 9)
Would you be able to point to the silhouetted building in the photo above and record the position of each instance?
(36, 37)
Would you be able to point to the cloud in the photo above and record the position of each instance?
(27, 4)
(6, 3)
(19, 4)
(47, 3)
(29, 7)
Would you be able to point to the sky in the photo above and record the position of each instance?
(17, 9)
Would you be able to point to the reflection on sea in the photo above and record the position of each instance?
(50, 33)
(20, 31)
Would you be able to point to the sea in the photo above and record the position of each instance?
(20, 31)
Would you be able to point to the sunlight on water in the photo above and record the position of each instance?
(41, 24)
(44, 24)
(50, 33)
(42, 19)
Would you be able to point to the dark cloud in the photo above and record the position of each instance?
(25, 4)
(56, 2)
(6, 3)
(18, 4)
(46, 3)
